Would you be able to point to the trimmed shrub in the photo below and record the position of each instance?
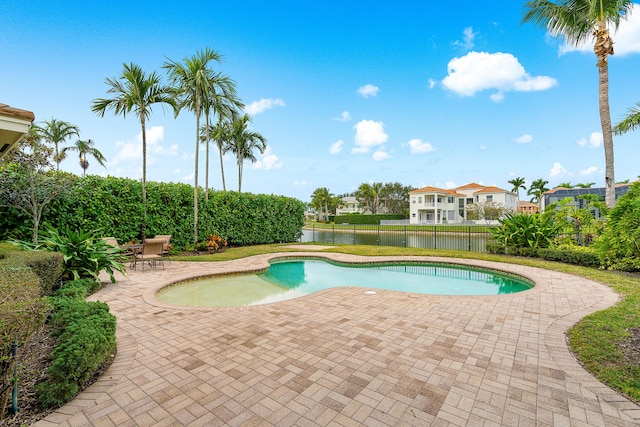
(579, 255)
(366, 219)
(86, 341)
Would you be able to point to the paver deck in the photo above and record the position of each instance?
(344, 357)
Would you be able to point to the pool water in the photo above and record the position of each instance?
(289, 279)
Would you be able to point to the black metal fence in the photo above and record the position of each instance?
(471, 238)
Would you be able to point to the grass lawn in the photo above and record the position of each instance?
(600, 341)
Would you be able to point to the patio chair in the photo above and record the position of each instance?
(167, 244)
(111, 241)
(151, 253)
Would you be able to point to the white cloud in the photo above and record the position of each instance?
(595, 140)
(523, 139)
(589, 171)
(380, 155)
(302, 183)
(497, 97)
(189, 178)
(446, 185)
(269, 161)
(419, 146)
(344, 117)
(626, 39)
(336, 147)
(483, 147)
(131, 151)
(478, 71)
(257, 107)
(368, 90)
(369, 134)
(432, 83)
(467, 39)
(558, 171)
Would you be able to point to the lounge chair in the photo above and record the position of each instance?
(167, 244)
(151, 253)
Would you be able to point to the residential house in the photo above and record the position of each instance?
(527, 207)
(14, 125)
(348, 205)
(431, 205)
(561, 193)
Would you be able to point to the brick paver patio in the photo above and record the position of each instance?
(347, 358)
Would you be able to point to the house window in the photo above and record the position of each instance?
(420, 199)
(450, 199)
(489, 198)
(413, 200)
(470, 200)
(439, 199)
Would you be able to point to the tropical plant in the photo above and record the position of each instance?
(520, 230)
(191, 80)
(565, 185)
(85, 253)
(578, 21)
(56, 132)
(85, 148)
(536, 190)
(487, 210)
(518, 183)
(395, 197)
(619, 244)
(243, 142)
(135, 90)
(585, 185)
(630, 122)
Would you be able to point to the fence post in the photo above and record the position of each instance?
(354, 234)
(469, 239)
(405, 236)
(435, 237)
(333, 234)
(378, 234)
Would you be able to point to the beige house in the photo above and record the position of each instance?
(14, 125)
(431, 205)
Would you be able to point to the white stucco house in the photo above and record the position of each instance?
(14, 125)
(348, 205)
(432, 205)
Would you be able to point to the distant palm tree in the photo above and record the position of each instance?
(85, 148)
(192, 81)
(630, 122)
(536, 190)
(578, 21)
(585, 185)
(134, 90)
(565, 185)
(517, 183)
(55, 132)
(243, 142)
(321, 198)
(221, 134)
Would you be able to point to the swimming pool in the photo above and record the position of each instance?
(291, 278)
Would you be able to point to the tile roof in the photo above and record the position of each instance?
(429, 189)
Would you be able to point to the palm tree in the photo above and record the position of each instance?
(578, 21)
(134, 90)
(630, 122)
(518, 183)
(222, 101)
(85, 148)
(536, 190)
(55, 132)
(192, 81)
(221, 134)
(321, 198)
(585, 185)
(565, 185)
(243, 142)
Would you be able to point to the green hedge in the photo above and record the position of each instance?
(366, 219)
(47, 266)
(114, 205)
(86, 341)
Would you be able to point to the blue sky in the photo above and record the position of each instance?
(345, 92)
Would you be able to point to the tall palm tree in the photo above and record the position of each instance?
(585, 185)
(85, 148)
(243, 142)
(221, 134)
(630, 122)
(192, 81)
(55, 132)
(536, 190)
(578, 21)
(135, 90)
(221, 100)
(518, 183)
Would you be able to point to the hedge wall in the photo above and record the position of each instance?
(114, 205)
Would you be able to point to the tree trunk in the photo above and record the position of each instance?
(143, 227)
(239, 175)
(206, 176)
(224, 186)
(603, 47)
(195, 180)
